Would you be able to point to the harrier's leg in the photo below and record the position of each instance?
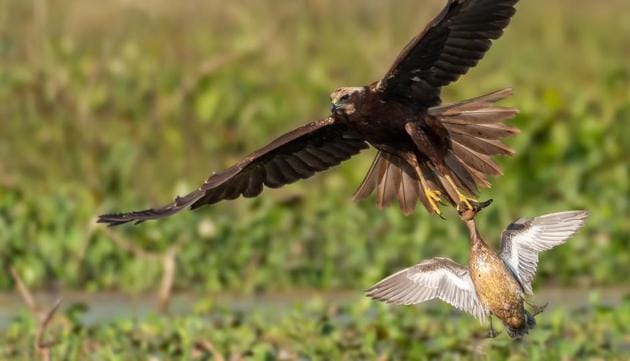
(463, 199)
(492, 333)
(537, 309)
(433, 195)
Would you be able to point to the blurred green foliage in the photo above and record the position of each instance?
(109, 106)
(317, 331)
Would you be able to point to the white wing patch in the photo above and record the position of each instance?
(525, 238)
(434, 278)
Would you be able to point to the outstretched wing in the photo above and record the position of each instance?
(450, 45)
(525, 238)
(296, 155)
(434, 278)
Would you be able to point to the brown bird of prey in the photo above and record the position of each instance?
(492, 284)
(426, 151)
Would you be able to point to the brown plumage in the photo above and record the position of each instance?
(426, 151)
(493, 284)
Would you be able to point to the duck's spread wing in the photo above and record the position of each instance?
(525, 238)
(450, 45)
(434, 278)
(296, 155)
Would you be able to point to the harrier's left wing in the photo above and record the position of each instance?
(450, 45)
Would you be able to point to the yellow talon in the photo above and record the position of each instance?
(434, 197)
(434, 194)
(463, 200)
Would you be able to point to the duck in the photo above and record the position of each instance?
(494, 283)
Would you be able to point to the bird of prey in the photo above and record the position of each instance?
(493, 284)
(426, 151)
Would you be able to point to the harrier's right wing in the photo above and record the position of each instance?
(296, 155)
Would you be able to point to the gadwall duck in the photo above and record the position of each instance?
(493, 284)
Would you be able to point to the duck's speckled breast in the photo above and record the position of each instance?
(496, 287)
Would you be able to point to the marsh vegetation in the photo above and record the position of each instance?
(118, 105)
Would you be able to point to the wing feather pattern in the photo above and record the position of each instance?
(434, 278)
(296, 155)
(448, 47)
(524, 239)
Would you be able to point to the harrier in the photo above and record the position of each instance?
(426, 151)
(493, 284)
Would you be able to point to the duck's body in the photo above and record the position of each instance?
(494, 284)
(497, 287)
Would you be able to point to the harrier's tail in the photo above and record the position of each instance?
(393, 178)
(475, 127)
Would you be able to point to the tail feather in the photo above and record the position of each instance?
(484, 146)
(484, 131)
(462, 176)
(480, 102)
(409, 191)
(392, 178)
(389, 185)
(479, 177)
(480, 162)
(372, 178)
(529, 324)
(483, 116)
(476, 131)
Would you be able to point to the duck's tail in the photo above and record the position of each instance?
(529, 324)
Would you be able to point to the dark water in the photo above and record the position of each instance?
(105, 307)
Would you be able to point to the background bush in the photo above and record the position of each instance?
(108, 106)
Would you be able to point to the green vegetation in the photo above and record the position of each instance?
(109, 106)
(314, 330)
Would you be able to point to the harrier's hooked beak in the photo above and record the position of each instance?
(334, 107)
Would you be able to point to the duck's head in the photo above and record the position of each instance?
(468, 214)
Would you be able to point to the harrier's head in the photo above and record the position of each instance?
(346, 100)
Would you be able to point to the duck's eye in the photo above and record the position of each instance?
(344, 97)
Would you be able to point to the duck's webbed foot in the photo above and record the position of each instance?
(537, 309)
(492, 333)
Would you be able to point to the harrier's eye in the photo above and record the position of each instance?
(344, 98)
